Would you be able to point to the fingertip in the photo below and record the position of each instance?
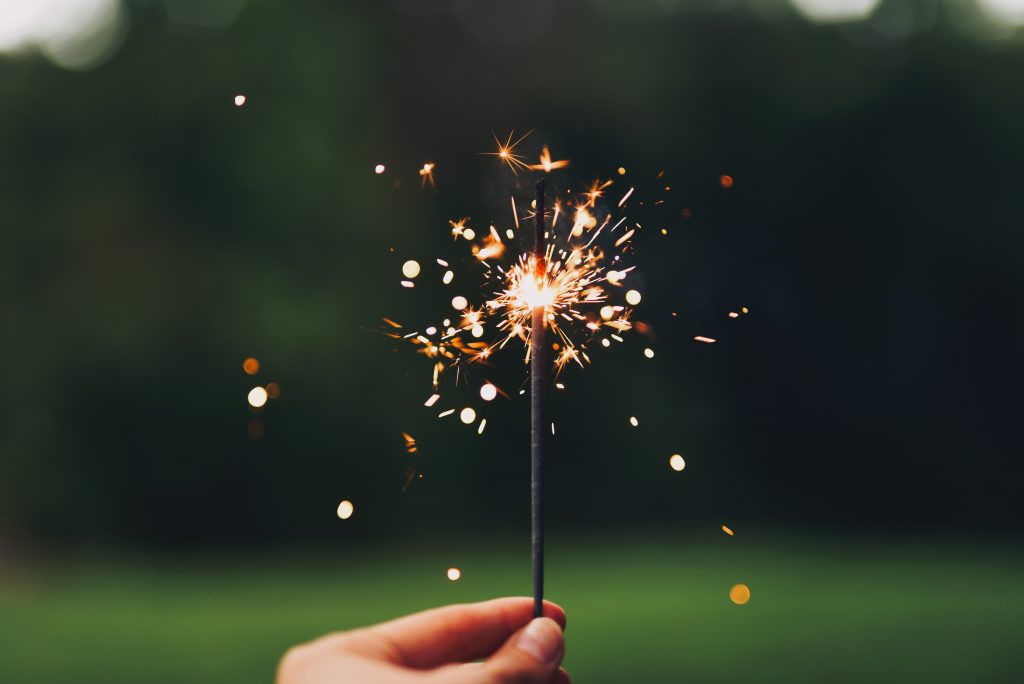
(555, 612)
(561, 677)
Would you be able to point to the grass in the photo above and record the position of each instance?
(650, 611)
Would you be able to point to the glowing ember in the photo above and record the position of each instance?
(378, 169)
(251, 366)
(345, 509)
(546, 164)
(239, 100)
(739, 594)
(676, 463)
(727, 530)
(706, 340)
(725, 182)
(257, 397)
(633, 421)
(506, 152)
(649, 353)
(432, 400)
(427, 175)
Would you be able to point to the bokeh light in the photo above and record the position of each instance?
(676, 463)
(739, 594)
(1003, 11)
(74, 34)
(411, 268)
(633, 297)
(239, 100)
(833, 11)
(467, 415)
(251, 366)
(488, 392)
(454, 574)
(379, 169)
(346, 509)
(257, 397)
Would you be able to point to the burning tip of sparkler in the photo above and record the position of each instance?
(346, 509)
(454, 574)
(739, 594)
(677, 463)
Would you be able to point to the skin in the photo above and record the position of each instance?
(440, 646)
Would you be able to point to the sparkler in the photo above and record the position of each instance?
(558, 293)
(537, 410)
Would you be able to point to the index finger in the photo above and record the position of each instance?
(456, 633)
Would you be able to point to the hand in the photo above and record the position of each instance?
(437, 646)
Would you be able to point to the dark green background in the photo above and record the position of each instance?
(154, 236)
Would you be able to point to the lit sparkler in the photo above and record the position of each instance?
(570, 284)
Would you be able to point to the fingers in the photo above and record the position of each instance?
(451, 634)
(530, 656)
(561, 677)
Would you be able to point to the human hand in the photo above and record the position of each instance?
(437, 646)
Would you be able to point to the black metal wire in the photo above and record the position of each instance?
(537, 417)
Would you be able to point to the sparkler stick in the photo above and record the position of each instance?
(537, 412)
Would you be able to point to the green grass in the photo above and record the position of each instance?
(639, 611)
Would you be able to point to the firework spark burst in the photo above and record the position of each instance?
(580, 286)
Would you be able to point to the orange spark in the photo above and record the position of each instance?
(506, 152)
(546, 165)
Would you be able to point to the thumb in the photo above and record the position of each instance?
(530, 656)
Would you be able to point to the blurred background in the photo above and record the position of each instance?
(199, 198)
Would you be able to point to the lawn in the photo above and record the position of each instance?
(639, 610)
